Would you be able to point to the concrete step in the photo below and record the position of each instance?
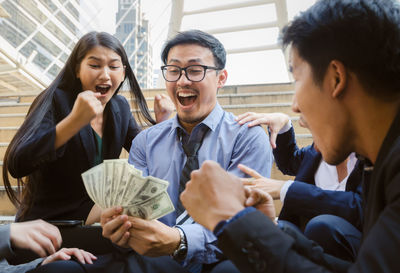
(15, 106)
(22, 97)
(16, 119)
(230, 89)
(18, 107)
(12, 120)
(6, 207)
(6, 134)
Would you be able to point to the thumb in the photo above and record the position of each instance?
(249, 201)
(272, 139)
(97, 94)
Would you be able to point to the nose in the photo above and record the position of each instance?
(183, 80)
(105, 73)
(295, 106)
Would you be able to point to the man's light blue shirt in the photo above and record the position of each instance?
(158, 151)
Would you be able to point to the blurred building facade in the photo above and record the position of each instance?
(133, 32)
(36, 38)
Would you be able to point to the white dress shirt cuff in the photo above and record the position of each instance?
(286, 128)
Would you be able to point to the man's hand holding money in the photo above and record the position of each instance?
(146, 237)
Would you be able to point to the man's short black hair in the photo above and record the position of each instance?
(200, 38)
(363, 34)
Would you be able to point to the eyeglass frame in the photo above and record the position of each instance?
(206, 67)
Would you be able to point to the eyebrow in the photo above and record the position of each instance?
(197, 60)
(99, 59)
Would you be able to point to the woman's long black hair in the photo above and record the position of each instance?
(67, 81)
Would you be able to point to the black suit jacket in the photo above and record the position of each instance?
(255, 244)
(61, 193)
(303, 199)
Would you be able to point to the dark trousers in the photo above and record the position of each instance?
(335, 235)
(132, 263)
(115, 263)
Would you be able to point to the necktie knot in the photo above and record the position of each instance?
(191, 149)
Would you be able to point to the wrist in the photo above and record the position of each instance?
(223, 217)
(180, 252)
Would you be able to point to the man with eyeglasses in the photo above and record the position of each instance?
(194, 70)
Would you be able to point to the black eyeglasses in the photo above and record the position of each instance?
(194, 73)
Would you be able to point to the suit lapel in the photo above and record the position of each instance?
(87, 139)
(112, 131)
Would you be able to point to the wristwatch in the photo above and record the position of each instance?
(180, 253)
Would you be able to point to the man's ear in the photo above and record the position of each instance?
(338, 74)
(222, 77)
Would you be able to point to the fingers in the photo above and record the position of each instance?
(117, 230)
(45, 243)
(56, 257)
(66, 254)
(53, 233)
(246, 117)
(272, 139)
(249, 171)
(248, 181)
(38, 248)
(255, 197)
(107, 214)
(81, 255)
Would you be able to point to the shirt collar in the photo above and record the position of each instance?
(211, 121)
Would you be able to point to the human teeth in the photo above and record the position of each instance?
(186, 94)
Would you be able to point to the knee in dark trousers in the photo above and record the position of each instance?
(335, 235)
(225, 267)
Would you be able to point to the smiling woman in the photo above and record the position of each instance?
(74, 124)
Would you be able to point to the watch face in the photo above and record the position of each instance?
(180, 253)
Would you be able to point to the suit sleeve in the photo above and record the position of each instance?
(288, 156)
(345, 204)
(6, 251)
(254, 244)
(36, 150)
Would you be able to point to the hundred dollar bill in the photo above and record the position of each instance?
(108, 180)
(153, 208)
(153, 186)
(93, 181)
(118, 171)
(133, 186)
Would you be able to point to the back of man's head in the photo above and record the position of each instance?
(197, 37)
(363, 34)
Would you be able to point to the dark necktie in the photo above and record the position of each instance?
(191, 149)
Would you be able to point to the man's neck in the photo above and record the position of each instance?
(188, 126)
(373, 124)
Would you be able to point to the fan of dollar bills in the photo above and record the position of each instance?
(117, 183)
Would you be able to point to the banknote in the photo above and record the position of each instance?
(115, 182)
(153, 186)
(152, 208)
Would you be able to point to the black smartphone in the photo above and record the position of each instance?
(66, 223)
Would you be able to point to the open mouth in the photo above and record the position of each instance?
(187, 98)
(103, 88)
